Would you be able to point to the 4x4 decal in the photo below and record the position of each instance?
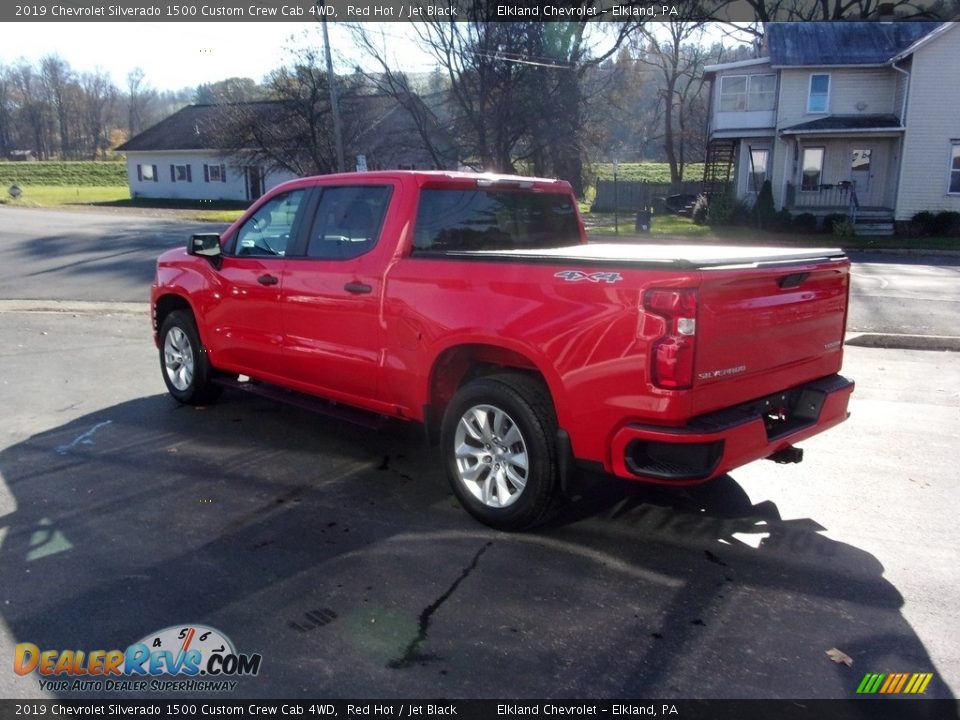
(578, 275)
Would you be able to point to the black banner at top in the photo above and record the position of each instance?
(459, 10)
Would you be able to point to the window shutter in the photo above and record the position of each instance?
(189, 174)
(139, 173)
(173, 173)
(206, 173)
(223, 173)
(156, 174)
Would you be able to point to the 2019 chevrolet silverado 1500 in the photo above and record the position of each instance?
(474, 305)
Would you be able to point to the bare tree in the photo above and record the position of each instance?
(59, 85)
(98, 97)
(140, 97)
(293, 130)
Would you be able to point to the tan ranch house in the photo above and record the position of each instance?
(860, 118)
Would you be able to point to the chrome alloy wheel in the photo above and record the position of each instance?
(178, 359)
(491, 455)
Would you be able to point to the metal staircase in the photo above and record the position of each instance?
(718, 166)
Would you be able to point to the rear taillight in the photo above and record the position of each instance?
(671, 356)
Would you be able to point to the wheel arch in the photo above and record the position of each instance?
(459, 364)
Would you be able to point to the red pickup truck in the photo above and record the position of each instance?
(473, 304)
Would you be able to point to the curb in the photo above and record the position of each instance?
(942, 343)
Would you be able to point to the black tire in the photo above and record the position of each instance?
(484, 477)
(179, 338)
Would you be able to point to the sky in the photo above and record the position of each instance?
(178, 55)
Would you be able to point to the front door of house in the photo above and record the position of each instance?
(863, 160)
(254, 182)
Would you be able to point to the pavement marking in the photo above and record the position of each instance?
(84, 439)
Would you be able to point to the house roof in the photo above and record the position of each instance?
(846, 123)
(194, 127)
(796, 44)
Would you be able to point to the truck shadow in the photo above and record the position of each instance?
(339, 554)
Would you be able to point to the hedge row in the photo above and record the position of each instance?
(63, 173)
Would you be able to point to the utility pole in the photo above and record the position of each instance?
(334, 105)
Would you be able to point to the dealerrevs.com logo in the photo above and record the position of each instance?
(186, 658)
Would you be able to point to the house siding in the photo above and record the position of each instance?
(933, 119)
(235, 188)
(853, 91)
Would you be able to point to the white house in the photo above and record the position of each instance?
(854, 117)
(177, 158)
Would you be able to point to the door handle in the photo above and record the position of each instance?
(267, 280)
(358, 288)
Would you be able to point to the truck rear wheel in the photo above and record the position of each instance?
(499, 443)
(184, 361)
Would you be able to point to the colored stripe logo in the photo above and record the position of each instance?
(894, 683)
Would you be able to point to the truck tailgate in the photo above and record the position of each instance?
(765, 328)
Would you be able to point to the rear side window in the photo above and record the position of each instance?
(348, 221)
(494, 220)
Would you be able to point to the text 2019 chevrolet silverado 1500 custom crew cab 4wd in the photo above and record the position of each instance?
(473, 304)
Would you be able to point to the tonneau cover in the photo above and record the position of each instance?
(684, 257)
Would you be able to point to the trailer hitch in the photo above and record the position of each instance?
(787, 455)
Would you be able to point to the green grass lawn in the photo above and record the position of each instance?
(60, 195)
(658, 172)
(118, 196)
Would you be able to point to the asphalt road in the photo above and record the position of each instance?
(110, 257)
(339, 554)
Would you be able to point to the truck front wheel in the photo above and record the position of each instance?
(184, 361)
(499, 441)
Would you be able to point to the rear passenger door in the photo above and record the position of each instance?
(331, 295)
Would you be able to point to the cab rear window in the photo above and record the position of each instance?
(493, 220)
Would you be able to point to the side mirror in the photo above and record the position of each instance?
(205, 244)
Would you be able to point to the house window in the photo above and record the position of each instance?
(955, 167)
(214, 173)
(733, 93)
(818, 99)
(759, 157)
(147, 173)
(812, 168)
(748, 93)
(180, 173)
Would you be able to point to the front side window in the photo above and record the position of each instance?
(494, 220)
(955, 168)
(147, 173)
(759, 157)
(267, 232)
(812, 168)
(819, 96)
(348, 221)
(762, 92)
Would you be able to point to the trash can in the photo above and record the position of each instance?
(644, 218)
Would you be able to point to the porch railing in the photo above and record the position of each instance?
(841, 196)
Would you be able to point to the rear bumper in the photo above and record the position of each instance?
(716, 443)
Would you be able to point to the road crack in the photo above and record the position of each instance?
(412, 654)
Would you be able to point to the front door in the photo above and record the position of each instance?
(254, 182)
(861, 168)
(246, 319)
